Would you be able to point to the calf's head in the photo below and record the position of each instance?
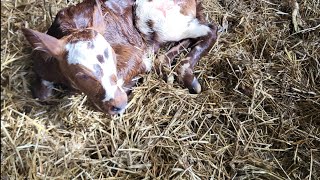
(87, 60)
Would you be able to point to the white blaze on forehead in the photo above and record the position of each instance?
(87, 55)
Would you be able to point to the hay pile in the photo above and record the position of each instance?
(258, 116)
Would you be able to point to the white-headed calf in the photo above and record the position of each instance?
(100, 47)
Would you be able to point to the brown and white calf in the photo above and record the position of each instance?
(100, 47)
(164, 21)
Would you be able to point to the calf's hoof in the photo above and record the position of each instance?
(42, 90)
(194, 87)
(170, 79)
(192, 83)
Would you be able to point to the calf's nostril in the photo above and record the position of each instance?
(115, 109)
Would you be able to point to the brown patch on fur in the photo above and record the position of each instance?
(129, 62)
(47, 67)
(188, 7)
(106, 53)
(185, 74)
(150, 24)
(86, 81)
(119, 21)
(121, 100)
(81, 35)
(153, 35)
(113, 79)
(100, 58)
(90, 45)
(203, 46)
(199, 13)
(98, 71)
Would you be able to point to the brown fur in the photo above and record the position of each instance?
(188, 7)
(199, 47)
(116, 24)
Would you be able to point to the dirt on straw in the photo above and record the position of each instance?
(258, 116)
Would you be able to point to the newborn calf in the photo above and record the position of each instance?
(94, 47)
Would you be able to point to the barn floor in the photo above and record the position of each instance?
(258, 116)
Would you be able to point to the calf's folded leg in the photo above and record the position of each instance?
(164, 61)
(41, 89)
(185, 69)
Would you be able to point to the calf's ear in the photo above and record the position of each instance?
(98, 18)
(44, 42)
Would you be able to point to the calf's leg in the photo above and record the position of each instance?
(164, 61)
(41, 89)
(185, 69)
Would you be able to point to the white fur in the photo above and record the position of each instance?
(148, 59)
(78, 53)
(169, 23)
(147, 62)
(47, 83)
(184, 69)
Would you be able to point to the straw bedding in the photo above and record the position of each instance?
(257, 117)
